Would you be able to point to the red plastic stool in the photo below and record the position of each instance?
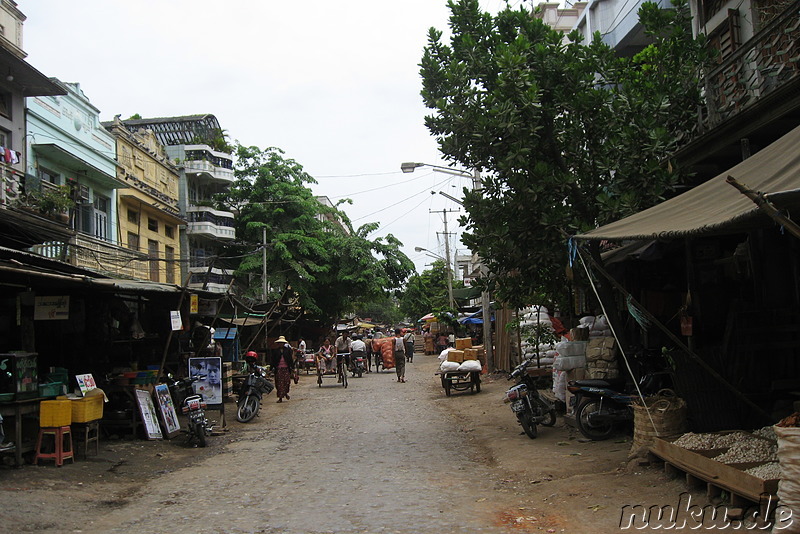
(62, 435)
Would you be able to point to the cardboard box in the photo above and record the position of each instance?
(471, 354)
(463, 343)
(455, 356)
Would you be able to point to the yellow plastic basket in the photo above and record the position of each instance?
(87, 409)
(55, 413)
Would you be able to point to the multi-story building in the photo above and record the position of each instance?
(617, 21)
(18, 80)
(149, 213)
(752, 95)
(196, 145)
(559, 17)
(71, 154)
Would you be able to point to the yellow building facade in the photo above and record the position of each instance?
(149, 220)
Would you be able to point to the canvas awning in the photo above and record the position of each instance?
(716, 207)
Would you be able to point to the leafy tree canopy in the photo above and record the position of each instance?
(311, 248)
(567, 135)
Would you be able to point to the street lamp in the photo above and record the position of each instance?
(449, 272)
(485, 301)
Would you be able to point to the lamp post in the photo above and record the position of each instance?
(485, 299)
(446, 260)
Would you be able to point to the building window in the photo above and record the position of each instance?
(46, 175)
(5, 105)
(169, 255)
(169, 231)
(152, 252)
(152, 224)
(133, 216)
(133, 241)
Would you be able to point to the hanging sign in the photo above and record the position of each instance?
(51, 308)
(175, 319)
(193, 303)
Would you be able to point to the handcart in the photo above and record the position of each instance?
(340, 373)
(460, 381)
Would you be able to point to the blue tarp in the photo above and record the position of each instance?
(475, 318)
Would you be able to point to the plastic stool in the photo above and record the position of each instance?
(86, 433)
(61, 435)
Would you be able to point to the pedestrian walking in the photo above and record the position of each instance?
(282, 363)
(408, 339)
(399, 356)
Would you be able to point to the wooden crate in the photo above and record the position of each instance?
(701, 464)
(455, 356)
(463, 343)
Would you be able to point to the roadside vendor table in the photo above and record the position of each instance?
(17, 409)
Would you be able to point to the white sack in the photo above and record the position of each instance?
(449, 366)
(470, 365)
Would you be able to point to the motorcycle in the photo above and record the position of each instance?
(193, 407)
(252, 389)
(602, 404)
(530, 407)
(358, 364)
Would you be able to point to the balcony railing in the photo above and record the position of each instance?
(99, 256)
(207, 167)
(759, 67)
(206, 221)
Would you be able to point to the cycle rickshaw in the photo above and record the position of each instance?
(340, 373)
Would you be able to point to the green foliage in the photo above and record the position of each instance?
(53, 200)
(568, 135)
(311, 248)
(134, 117)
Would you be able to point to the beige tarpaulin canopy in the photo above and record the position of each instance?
(715, 206)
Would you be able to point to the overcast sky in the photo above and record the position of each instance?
(333, 84)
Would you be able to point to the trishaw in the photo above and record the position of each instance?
(460, 381)
(306, 360)
(340, 373)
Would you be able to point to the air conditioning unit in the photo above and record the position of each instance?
(83, 193)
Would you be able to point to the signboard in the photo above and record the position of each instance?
(148, 412)
(86, 383)
(175, 320)
(193, 303)
(207, 308)
(210, 387)
(169, 418)
(51, 308)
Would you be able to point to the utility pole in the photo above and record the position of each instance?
(264, 263)
(447, 258)
(485, 297)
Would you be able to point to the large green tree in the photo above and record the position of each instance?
(311, 249)
(427, 292)
(568, 135)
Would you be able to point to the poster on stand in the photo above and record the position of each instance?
(148, 412)
(166, 406)
(210, 386)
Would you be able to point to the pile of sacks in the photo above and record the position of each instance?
(455, 362)
(601, 358)
(544, 353)
(598, 326)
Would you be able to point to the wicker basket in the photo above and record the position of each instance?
(667, 417)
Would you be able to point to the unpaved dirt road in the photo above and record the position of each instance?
(377, 457)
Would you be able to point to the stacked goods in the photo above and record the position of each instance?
(454, 355)
(598, 326)
(463, 343)
(735, 447)
(535, 316)
(788, 433)
(601, 358)
(480, 352)
(570, 355)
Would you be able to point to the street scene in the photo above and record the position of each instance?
(501, 266)
(379, 456)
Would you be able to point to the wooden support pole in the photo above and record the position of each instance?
(766, 206)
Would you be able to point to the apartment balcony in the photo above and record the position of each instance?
(207, 164)
(761, 71)
(213, 279)
(211, 223)
(97, 255)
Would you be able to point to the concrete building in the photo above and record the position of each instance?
(149, 213)
(18, 80)
(618, 24)
(195, 144)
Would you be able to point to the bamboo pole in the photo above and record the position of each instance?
(766, 206)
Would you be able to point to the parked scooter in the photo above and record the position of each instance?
(252, 389)
(530, 407)
(600, 404)
(194, 407)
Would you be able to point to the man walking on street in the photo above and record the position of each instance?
(408, 339)
(399, 356)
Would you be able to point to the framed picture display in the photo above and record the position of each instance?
(166, 407)
(210, 385)
(148, 412)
